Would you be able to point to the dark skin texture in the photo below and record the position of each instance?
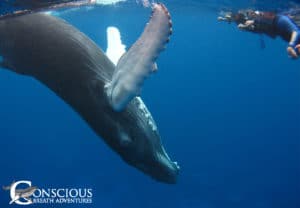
(76, 69)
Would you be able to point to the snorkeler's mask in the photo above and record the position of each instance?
(239, 17)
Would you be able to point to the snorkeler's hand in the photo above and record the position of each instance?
(291, 51)
(221, 19)
(241, 26)
(224, 19)
(248, 25)
(298, 48)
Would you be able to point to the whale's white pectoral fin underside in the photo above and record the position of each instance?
(28, 199)
(115, 47)
(17, 197)
(139, 62)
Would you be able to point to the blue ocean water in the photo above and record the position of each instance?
(227, 110)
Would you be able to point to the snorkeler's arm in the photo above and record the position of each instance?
(226, 18)
(222, 19)
(293, 46)
(248, 25)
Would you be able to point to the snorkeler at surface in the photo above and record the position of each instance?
(268, 23)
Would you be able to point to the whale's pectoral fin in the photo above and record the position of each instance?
(27, 199)
(17, 197)
(139, 62)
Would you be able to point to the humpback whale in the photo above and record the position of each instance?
(104, 95)
(20, 193)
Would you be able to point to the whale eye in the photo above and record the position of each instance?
(125, 140)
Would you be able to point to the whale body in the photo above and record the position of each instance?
(104, 95)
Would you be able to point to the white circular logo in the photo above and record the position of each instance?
(23, 193)
(17, 194)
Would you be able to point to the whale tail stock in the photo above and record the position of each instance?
(139, 61)
(6, 188)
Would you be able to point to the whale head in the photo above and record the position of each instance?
(139, 144)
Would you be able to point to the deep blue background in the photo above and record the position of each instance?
(228, 112)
